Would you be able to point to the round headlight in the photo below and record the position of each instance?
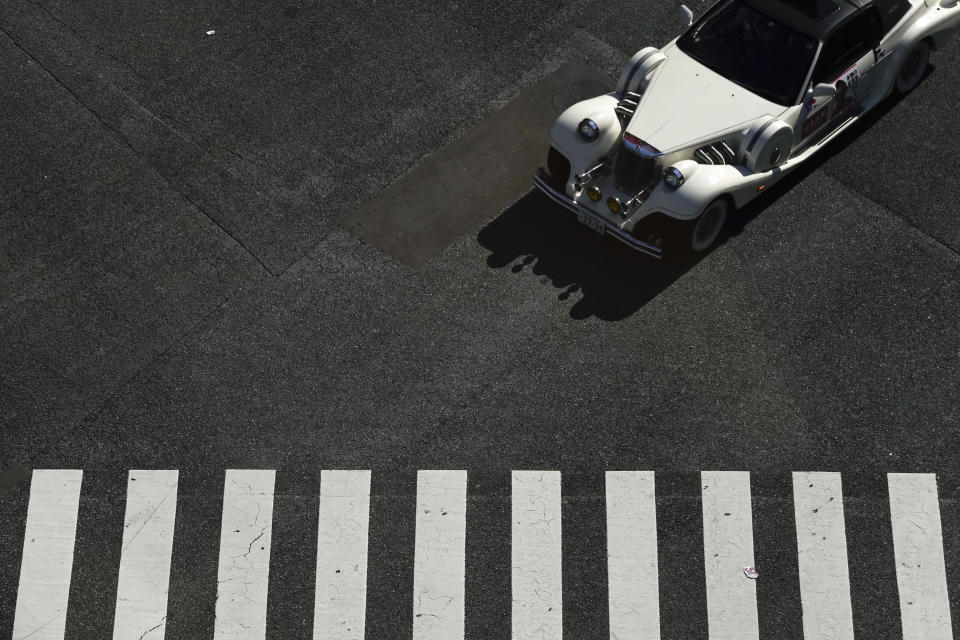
(588, 130)
(594, 194)
(672, 178)
(614, 204)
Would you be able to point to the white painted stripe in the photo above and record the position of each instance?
(144, 578)
(440, 555)
(537, 552)
(822, 556)
(728, 549)
(41, 611)
(632, 569)
(342, 534)
(244, 567)
(918, 548)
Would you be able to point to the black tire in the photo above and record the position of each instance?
(913, 67)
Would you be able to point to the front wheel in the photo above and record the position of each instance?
(913, 67)
(709, 225)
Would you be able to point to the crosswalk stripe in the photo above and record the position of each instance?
(632, 569)
(918, 548)
(144, 576)
(440, 555)
(536, 569)
(342, 549)
(244, 564)
(47, 562)
(822, 556)
(728, 550)
(438, 599)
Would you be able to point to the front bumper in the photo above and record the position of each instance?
(610, 229)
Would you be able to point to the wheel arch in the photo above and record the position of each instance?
(728, 197)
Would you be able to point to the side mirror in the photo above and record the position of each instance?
(824, 90)
(687, 14)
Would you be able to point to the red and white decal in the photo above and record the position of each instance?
(822, 111)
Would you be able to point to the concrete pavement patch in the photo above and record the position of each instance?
(474, 177)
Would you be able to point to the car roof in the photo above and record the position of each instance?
(814, 18)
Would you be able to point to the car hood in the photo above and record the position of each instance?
(686, 103)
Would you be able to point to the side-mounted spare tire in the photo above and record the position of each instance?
(768, 146)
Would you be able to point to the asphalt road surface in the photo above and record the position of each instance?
(289, 348)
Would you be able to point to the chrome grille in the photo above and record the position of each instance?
(634, 173)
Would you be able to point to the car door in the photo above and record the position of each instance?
(846, 61)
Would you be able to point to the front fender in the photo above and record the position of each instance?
(938, 23)
(705, 183)
(585, 155)
(702, 184)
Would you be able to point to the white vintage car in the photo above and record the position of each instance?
(750, 91)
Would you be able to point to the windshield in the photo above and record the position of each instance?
(748, 48)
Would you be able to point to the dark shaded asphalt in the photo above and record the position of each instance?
(176, 291)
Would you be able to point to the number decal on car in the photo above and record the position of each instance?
(819, 111)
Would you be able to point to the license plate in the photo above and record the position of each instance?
(597, 225)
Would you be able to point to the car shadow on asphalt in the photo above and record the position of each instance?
(608, 280)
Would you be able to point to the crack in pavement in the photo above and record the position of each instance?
(93, 44)
(42, 627)
(159, 624)
(148, 518)
(129, 145)
(889, 208)
(250, 546)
